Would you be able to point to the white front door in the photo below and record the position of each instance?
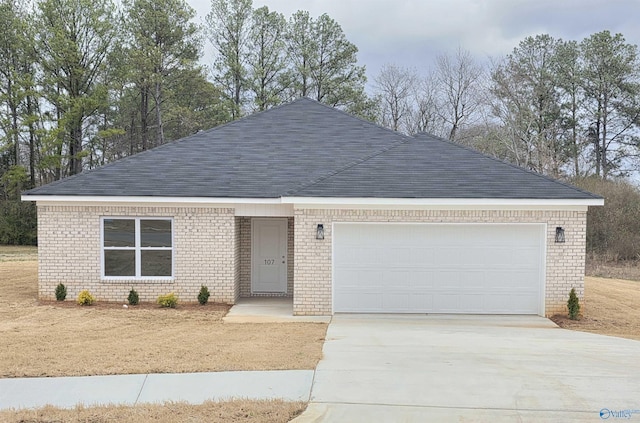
(269, 255)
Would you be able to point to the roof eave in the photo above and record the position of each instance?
(446, 201)
(146, 199)
(324, 201)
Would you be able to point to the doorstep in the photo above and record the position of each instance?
(268, 310)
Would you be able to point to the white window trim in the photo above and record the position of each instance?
(138, 250)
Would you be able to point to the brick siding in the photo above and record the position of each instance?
(313, 267)
(212, 247)
(205, 253)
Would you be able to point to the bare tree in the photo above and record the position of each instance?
(424, 115)
(395, 87)
(459, 78)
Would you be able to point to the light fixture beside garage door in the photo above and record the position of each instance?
(320, 231)
(559, 234)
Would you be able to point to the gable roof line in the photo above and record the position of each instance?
(464, 147)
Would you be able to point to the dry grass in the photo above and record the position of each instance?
(70, 340)
(610, 308)
(18, 253)
(211, 412)
(622, 269)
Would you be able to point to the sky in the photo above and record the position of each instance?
(411, 33)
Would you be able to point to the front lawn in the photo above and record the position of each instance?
(69, 340)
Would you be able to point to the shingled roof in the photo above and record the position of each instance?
(307, 149)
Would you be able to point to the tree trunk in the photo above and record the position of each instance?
(75, 148)
(144, 110)
(452, 134)
(133, 145)
(574, 135)
(58, 169)
(160, 129)
(14, 123)
(605, 164)
(32, 144)
(596, 140)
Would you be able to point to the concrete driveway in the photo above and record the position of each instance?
(470, 369)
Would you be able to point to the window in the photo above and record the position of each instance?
(137, 247)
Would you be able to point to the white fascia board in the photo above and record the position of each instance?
(324, 202)
(153, 200)
(328, 202)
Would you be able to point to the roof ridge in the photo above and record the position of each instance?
(363, 120)
(350, 165)
(356, 162)
(473, 150)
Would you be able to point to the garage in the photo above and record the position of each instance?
(438, 268)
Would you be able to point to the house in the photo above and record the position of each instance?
(307, 202)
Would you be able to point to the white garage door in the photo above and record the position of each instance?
(438, 268)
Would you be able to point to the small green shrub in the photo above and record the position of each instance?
(85, 298)
(203, 295)
(573, 305)
(133, 297)
(168, 300)
(61, 292)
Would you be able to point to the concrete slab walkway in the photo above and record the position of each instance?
(471, 368)
(195, 388)
(268, 310)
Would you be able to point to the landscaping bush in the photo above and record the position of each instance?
(85, 298)
(573, 305)
(203, 295)
(168, 300)
(133, 297)
(61, 292)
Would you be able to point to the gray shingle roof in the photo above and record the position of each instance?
(307, 149)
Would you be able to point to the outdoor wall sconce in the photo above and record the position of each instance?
(559, 234)
(320, 231)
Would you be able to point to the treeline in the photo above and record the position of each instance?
(561, 108)
(84, 83)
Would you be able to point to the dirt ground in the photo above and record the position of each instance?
(210, 412)
(610, 307)
(70, 340)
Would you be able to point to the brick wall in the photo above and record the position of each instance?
(206, 252)
(245, 256)
(312, 270)
(212, 247)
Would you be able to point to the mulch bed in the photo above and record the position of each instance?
(141, 306)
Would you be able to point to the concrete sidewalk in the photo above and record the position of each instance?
(194, 388)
